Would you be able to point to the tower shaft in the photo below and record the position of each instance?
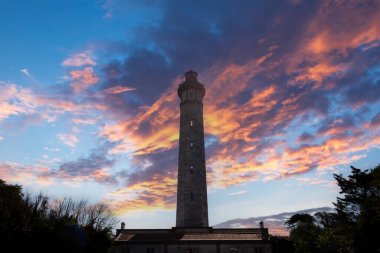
(192, 208)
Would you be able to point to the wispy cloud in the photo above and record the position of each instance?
(118, 89)
(84, 121)
(94, 167)
(273, 112)
(237, 193)
(79, 60)
(25, 71)
(158, 193)
(288, 90)
(70, 140)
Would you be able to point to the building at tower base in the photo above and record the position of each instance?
(192, 233)
(192, 240)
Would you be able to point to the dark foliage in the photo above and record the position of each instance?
(36, 224)
(359, 207)
(352, 228)
(281, 244)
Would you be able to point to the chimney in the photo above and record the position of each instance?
(122, 225)
(264, 231)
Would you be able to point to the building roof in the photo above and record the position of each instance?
(155, 235)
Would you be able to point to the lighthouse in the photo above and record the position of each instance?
(192, 208)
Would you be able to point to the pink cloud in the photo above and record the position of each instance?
(70, 140)
(119, 89)
(83, 79)
(79, 60)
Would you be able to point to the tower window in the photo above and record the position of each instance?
(191, 123)
(191, 169)
(184, 96)
(191, 196)
(191, 95)
(199, 95)
(191, 144)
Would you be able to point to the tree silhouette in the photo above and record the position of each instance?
(359, 207)
(35, 223)
(352, 228)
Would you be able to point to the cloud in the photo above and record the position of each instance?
(359, 30)
(14, 101)
(316, 181)
(237, 193)
(24, 174)
(25, 71)
(84, 121)
(158, 193)
(288, 90)
(118, 89)
(79, 60)
(305, 137)
(94, 167)
(278, 94)
(83, 79)
(375, 121)
(18, 101)
(70, 140)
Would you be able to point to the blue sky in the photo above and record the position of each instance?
(89, 106)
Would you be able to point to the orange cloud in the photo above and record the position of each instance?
(253, 136)
(161, 130)
(159, 193)
(82, 79)
(318, 73)
(15, 100)
(350, 28)
(25, 175)
(118, 89)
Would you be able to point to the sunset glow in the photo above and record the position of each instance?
(89, 105)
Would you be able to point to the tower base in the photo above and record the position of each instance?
(192, 240)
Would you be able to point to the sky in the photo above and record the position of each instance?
(89, 106)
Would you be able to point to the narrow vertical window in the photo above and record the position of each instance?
(191, 123)
(191, 144)
(191, 95)
(199, 95)
(191, 196)
(191, 169)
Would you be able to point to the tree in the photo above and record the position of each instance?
(35, 223)
(281, 244)
(303, 232)
(352, 228)
(12, 209)
(333, 234)
(359, 206)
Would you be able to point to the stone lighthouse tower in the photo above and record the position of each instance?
(192, 232)
(192, 208)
